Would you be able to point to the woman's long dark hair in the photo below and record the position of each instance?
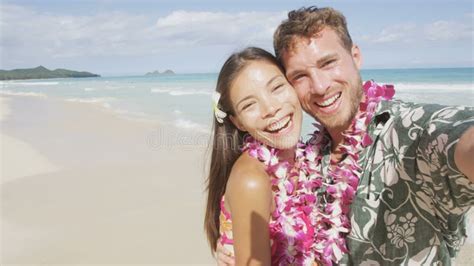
(226, 139)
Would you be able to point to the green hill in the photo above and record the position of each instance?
(43, 73)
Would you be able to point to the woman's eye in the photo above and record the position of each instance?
(247, 106)
(278, 87)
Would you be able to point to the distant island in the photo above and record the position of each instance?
(43, 73)
(157, 73)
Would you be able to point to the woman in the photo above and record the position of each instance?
(256, 197)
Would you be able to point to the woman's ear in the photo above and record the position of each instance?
(237, 123)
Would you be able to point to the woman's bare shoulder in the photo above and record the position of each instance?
(248, 177)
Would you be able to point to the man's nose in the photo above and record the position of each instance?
(320, 83)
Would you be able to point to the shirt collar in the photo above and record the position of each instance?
(383, 113)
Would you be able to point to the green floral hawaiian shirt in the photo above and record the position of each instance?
(411, 201)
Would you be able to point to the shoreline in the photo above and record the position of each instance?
(103, 104)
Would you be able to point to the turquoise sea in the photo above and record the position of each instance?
(184, 100)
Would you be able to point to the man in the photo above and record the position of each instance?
(417, 176)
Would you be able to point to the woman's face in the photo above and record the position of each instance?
(266, 106)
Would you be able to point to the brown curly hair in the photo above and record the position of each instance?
(307, 22)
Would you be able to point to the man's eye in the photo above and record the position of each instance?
(298, 77)
(328, 63)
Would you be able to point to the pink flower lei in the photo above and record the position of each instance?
(310, 221)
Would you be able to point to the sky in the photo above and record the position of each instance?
(119, 37)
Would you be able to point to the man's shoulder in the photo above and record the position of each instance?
(400, 106)
(410, 122)
(401, 110)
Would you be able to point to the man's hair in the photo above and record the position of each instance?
(307, 22)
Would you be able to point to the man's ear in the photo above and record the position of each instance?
(237, 123)
(356, 56)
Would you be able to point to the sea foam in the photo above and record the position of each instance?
(103, 101)
(434, 86)
(190, 125)
(23, 93)
(180, 91)
(36, 83)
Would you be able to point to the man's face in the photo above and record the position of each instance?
(326, 78)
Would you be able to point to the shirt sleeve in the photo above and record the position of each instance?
(452, 192)
(437, 144)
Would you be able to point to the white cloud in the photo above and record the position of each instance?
(393, 33)
(219, 28)
(412, 33)
(396, 33)
(448, 31)
(27, 32)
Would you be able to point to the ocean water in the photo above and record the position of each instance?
(184, 100)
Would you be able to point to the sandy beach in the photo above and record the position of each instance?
(81, 185)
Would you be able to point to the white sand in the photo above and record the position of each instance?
(19, 160)
(82, 186)
(20, 154)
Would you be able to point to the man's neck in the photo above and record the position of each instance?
(336, 136)
(337, 139)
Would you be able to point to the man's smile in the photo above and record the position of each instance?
(329, 101)
(328, 105)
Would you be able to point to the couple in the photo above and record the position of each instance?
(384, 182)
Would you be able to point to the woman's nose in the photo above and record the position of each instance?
(269, 108)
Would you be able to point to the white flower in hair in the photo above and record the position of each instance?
(218, 113)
